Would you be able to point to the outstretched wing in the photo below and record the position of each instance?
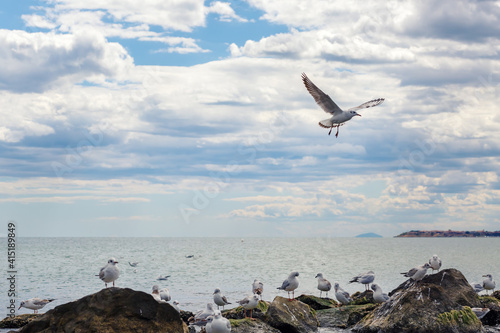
(322, 99)
(369, 104)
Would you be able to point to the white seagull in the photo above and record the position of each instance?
(435, 263)
(133, 264)
(110, 272)
(290, 284)
(417, 273)
(257, 287)
(218, 324)
(176, 305)
(323, 284)
(201, 317)
(249, 303)
(165, 294)
(488, 283)
(156, 294)
(339, 117)
(365, 278)
(220, 299)
(35, 304)
(341, 295)
(478, 287)
(378, 295)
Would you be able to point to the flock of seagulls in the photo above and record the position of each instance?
(214, 322)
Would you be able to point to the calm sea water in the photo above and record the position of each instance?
(65, 268)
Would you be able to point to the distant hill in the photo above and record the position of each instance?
(370, 234)
(449, 233)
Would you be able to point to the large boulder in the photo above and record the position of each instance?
(291, 316)
(441, 302)
(110, 310)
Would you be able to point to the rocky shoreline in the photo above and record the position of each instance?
(441, 302)
(448, 233)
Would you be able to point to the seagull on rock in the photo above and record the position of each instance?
(35, 304)
(488, 283)
(202, 317)
(249, 303)
(110, 272)
(218, 324)
(417, 273)
(323, 284)
(220, 299)
(175, 305)
(378, 295)
(365, 278)
(341, 295)
(339, 117)
(257, 287)
(435, 263)
(290, 284)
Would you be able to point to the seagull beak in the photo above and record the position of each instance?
(357, 114)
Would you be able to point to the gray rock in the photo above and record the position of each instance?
(291, 316)
(110, 310)
(441, 302)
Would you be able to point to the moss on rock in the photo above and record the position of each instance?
(464, 317)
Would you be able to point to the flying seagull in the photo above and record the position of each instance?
(339, 117)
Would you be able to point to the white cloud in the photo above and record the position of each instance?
(39, 61)
(182, 15)
(225, 12)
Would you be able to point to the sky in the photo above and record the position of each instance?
(188, 118)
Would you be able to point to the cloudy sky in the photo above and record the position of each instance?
(189, 117)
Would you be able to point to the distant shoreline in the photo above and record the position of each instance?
(448, 233)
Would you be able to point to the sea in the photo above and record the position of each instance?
(65, 268)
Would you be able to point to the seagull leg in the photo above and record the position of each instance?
(330, 130)
(337, 134)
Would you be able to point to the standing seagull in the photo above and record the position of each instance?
(220, 299)
(290, 284)
(435, 263)
(417, 273)
(257, 287)
(488, 283)
(249, 303)
(339, 117)
(378, 295)
(323, 284)
(365, 279)
(110, 272)
(35, 304)
(342, 296)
